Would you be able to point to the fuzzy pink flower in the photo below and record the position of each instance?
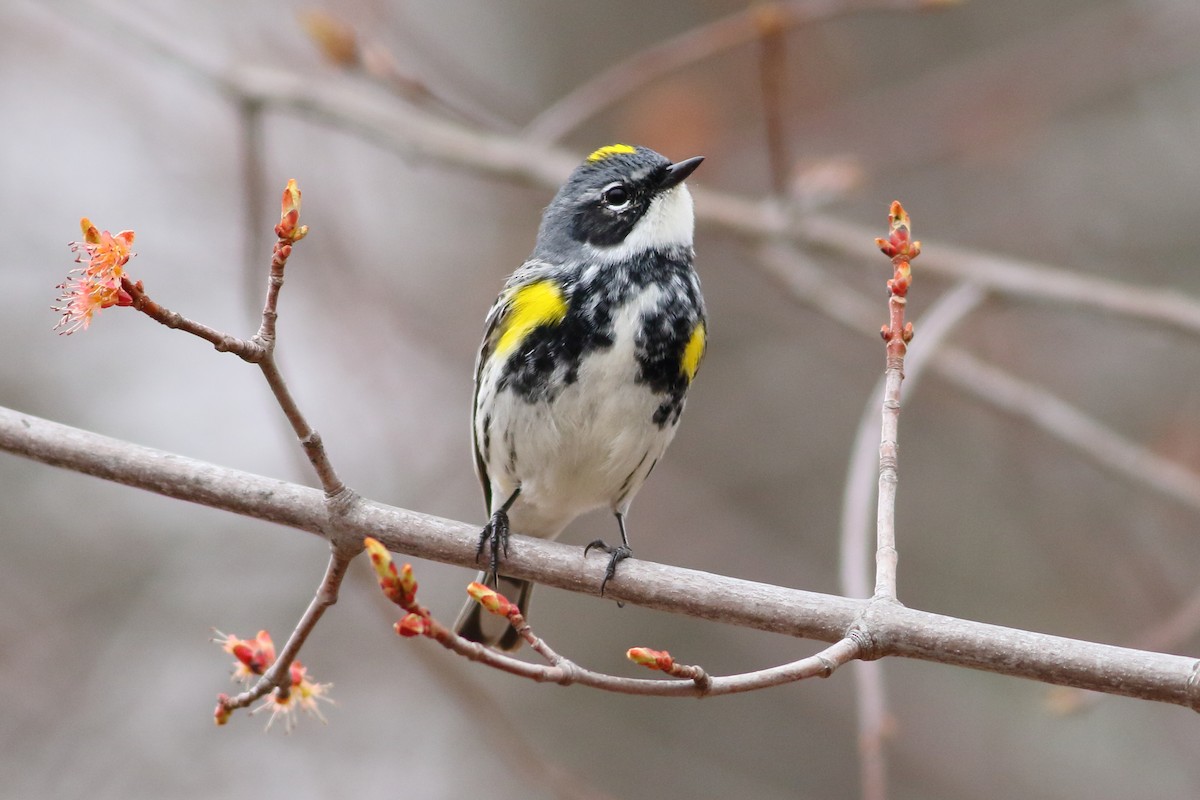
(304, 695)
(97, 284)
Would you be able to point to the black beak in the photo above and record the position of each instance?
(678, 172)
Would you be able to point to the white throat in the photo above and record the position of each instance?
(670, 221)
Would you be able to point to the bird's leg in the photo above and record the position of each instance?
(495, 534)
(615, 554)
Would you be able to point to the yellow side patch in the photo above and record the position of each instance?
(693, 352)
(531, 306)
(611, 150)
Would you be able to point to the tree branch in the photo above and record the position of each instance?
(886, 631)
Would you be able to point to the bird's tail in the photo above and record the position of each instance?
(479, 626)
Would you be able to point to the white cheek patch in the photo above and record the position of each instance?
(670, 221)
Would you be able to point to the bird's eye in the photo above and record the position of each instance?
(615, 196)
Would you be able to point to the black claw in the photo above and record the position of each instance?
(495, 534)
(615, 556)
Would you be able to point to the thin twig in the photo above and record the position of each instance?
(260, 349)
(901, 248)
(772, 71)
(310, 440)
(341, 45)
(693, 683)
(690, 47)
(857, 498)
(400, 586)
(805, 283)
(245, 349)
(942, 319)
(278, 676)
(493, 100)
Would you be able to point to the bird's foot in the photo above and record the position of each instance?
(615, 556)
(495, 537)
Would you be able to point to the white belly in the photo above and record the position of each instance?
(592, 447)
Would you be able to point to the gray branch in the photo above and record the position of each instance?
(884, 629)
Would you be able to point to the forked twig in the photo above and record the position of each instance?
(399, 586)
(98, 288)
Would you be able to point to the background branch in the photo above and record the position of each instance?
(698, 44)
(989, 384)
(416, 133)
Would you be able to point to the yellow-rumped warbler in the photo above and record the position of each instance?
(586, 358)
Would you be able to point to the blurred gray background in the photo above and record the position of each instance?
(1065, 133)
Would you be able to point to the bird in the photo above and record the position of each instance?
(586, 360)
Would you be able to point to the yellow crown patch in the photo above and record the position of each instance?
(610, 150)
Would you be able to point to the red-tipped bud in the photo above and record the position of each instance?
(408, 583)
(653, 659)
(412, 625)
(289, 228)
(91, 234)
(385, 568)
(899, 241)
(254, 656)
(492, 601)
(297, 673)
(291, 199)
(398, 585)
(243, 652)
(223, 712)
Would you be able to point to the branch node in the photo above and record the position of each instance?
(863, 637)
(342, 500)
(827, 666)
(568, 671)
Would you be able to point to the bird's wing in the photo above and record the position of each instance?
(491, 330)
(495, 325)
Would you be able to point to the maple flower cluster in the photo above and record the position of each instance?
(97, 284)
(254, 657)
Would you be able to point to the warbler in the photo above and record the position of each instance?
(586, 359)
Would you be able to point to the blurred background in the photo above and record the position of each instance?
(1062, 133)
